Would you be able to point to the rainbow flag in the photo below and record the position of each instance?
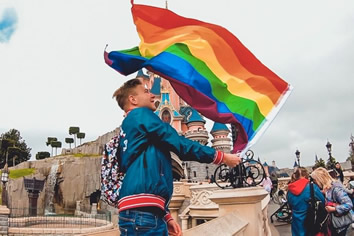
(208, 67)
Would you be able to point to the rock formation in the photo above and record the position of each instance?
(77, 178)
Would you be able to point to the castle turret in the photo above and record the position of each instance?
(221, 141)
(196, 130)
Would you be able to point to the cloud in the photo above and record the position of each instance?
(8, 24)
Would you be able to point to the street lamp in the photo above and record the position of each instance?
(329, 148)
(297, 153)
(4, 180)
(351, 144)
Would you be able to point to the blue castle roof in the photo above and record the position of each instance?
(156, 87)
(141, 74)
(219, 126)
(195, 117)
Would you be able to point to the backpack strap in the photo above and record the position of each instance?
(312, 194)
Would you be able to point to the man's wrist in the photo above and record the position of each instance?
(219, 158)
(167, 217)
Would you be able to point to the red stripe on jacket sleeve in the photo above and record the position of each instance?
(168, 217)
(219, 158)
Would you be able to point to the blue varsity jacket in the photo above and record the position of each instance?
(145, 145)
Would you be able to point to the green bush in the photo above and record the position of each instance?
(15, 174)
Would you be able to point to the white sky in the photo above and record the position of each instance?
(53, 76)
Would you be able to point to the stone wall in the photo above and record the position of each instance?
(77, 179)
(4, 216)
(93, 147)
(198, 171)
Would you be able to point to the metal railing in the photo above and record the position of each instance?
(247, 174)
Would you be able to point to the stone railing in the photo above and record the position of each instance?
(240, 212)
(201, 207)
(57, 225)
(213, 211)
(43, 229)
(73, 222)
(265, 217)
(54, 225)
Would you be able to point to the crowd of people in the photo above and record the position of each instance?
(328, 189)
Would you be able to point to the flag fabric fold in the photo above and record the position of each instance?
(208, 67)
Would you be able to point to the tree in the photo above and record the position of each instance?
(351, 152)
(351, 157)
(69, 141)
(56, 145)
(14, 154)
(42, 155)
(80, 136)
(73, 131)
(320, 163)
(13, 138)
(49, 142)
(5, 144)
(331, 162)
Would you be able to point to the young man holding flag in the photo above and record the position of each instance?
(145, 146)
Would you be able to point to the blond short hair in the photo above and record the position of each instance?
(121, 95)
(322, 178)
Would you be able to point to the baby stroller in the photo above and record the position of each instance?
(279, 197)
(283, 213)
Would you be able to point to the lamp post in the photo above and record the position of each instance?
(4, 180)
(297, 153)
(351, 144)
(329, 149)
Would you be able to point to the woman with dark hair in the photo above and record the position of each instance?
(298, 199)
(339, 172)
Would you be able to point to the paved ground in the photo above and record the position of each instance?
(284, 229)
